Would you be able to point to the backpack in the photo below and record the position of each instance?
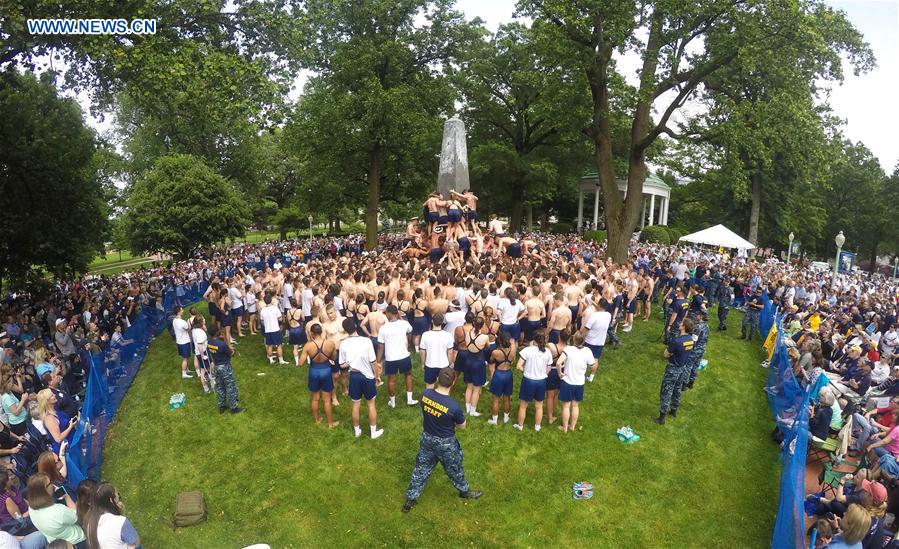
(190, 509)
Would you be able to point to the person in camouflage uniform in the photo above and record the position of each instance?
(724, 303)
(225, 384)
(701, 331)
(677, 353)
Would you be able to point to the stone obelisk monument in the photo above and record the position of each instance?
(453, 174)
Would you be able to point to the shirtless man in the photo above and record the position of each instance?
(371, 327)
(573, 296)
(631, 289)
(413, 234)
(496, 227)
(535, 313)
(432, 207)
(510, 246)
(470, 202)
(438, 304)
(559, 318)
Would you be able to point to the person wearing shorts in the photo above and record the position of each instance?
(270, 316)
(573, 365)
(393, 349)
(501, 382)
(358, 355)
(435, 350)
(320, 352)
(534, 361)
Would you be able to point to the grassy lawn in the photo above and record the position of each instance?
(709, 478)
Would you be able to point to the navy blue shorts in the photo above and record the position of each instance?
(361, 386)
(552, 380)
(274, 338)
(574, 311)
(184, 350)
(532, 390)
(431, 375)
(432, 217)
(435, 254)
(632, 306)
(454, 215)
(461, 362)
(464, 244)
(529, 327)
(443, 219)
(514, 330)
(554, 336)
(320, 378)
(567, 392)
(472, 215)
(501, 383)
(238, 312)
(595, 349)
(514, 250)
(296, 336)
(403, 366)
(419, 325)
(475, 370)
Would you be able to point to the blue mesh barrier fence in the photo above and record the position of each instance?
(110, 375)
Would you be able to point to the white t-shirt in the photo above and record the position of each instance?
(306, 298)
(597, 327)
(182, 331)
(452, 320)
(576, 363)
(394, 336)
(461, 294)
(435, 344)
(286, 294)
(536, 362)
(200, 339)
(508, 313)
(270, 316)
(236, 298)
(250, 299)
(358, 353)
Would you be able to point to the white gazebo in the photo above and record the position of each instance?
(654, 191)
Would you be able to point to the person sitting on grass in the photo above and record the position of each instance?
(54, 520)
(106, 527)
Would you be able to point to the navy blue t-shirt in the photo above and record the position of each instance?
(697, 303)
(219, 351)
(680, 349)
(679, 308)
(441, 414)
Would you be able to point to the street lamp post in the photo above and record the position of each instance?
(790, 248)
(895, 266)
(310, 227)
(839, 240)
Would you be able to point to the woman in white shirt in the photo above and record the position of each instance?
(511, 310)
(106, 527)
(250, 300)
(534, 361)
(201, 357)
(573, 363)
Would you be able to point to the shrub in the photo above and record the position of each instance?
(675, 233)
(561, 228)
(596, 236)
(655, 233)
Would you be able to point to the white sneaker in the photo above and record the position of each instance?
(412, 402)
(185, 375)
(357, 432)
(492, 421)
(590, 378)
(517, 426)
(376, 434)
(282, 362)
(537, 428)
(391, 402)
(271, 360)
(505, 418)
(474, 413)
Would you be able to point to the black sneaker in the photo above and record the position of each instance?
(410, 503)
(690, 385)
(238, 410)
(660, 420)
(672, 413)
(222, 409)
(471, 494)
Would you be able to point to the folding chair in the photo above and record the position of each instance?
(833, 472)
(821, 450)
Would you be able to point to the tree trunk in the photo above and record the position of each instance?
(337, 224)
(544, 221)
(755, 205)
(282, 232)
(530, 211)
(517, 207)
(374, 195)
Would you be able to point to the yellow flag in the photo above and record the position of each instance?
(771, 340)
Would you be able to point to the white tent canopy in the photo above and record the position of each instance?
(719, 235)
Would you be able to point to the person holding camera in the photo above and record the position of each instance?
(15, 407)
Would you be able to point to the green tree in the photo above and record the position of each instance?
(180, 206)
(52, 192)
(524, 124)
(685, 44)
(377, 104)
